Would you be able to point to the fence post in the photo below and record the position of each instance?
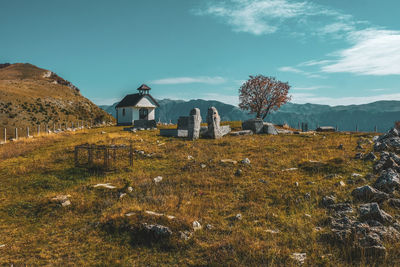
(47, 128)
(90, 156)
(27, 132)
(16, 134)
(76, 157)
(356, 128)
(5, 135)
(54, 127)
(375, 129)
(38, 129)
(336, 128)
(130, 155)
(105, 158)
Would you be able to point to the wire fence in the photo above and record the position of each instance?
(8, 134)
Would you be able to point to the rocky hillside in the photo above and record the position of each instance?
(366, 117)
(31, 96)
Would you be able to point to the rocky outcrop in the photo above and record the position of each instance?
(369, 194)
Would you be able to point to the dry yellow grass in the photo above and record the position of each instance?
(94, 231)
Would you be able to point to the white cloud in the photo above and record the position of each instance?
(256, 17)
(374, 52)
(299, 71)
(266, 16)
(302, 98)
(310, 88)
(185, 80)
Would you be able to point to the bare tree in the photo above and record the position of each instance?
(261, 94)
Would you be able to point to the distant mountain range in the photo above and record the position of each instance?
(382, 114)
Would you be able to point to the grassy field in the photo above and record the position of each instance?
(278, 218)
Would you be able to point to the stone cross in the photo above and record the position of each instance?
(213, 122)
(194, 124)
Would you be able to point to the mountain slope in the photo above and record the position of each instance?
(30, 96)
(381, 114)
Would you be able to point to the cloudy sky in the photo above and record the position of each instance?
(330, 52)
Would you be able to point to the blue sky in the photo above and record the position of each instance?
(330, 52)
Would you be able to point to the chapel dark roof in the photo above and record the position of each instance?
(144, 87)
(133, 99)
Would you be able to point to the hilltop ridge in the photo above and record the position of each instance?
(30, 95)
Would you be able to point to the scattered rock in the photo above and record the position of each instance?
(341, 184)
(203, 166)
(185, 235)
(296, 184)
(239, 216)
(371, 211)
(340, 146)
(245, 161)
(359, 156)
(130, 189)
(289, 169)
(328, 201)
(307, 215)
(299, 257)
(209, 227)
(103, 132)
(107, 186)
(369, 194)
(190, 157)
(238, 172)
(262, 181)
(272, 231)
(152, 213)
(394, 202)
(196, 226)
(122, 195)
(341, 208)
(157, 231)
(158, 179)
(307, 196)
(370, 156)
(229, 161)
(388, 181)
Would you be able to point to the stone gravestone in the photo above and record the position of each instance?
(194, 122)
(213, 122)
(256, 125)
(183, 123)
(269, 128)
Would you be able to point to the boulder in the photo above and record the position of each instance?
(369, 194)
(388, 181)
(157, 231)
(371, 211)
(394, 202)
(255, 125)
(341, 208)
(328, 200)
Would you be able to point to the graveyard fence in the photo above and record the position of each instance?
(103, 157)
(10, 133)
